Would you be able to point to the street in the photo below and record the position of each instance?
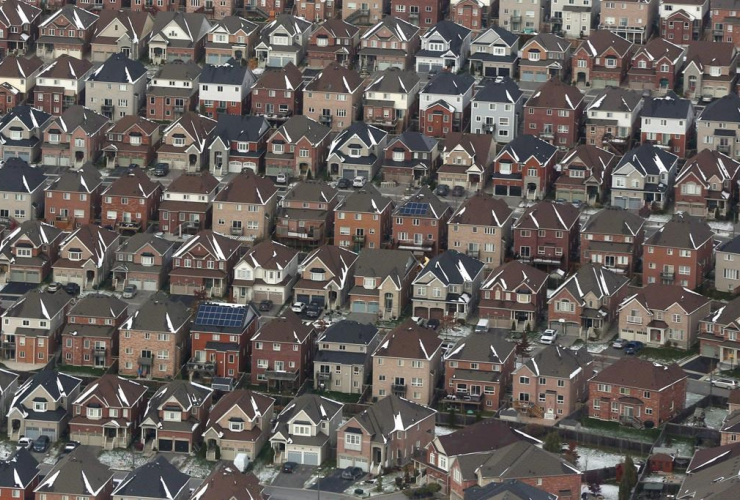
(277, 493)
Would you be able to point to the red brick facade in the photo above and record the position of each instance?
(10, 97)
(468, 13)
(558, 126)
(678, 28)
(439, 119)
(423, 13)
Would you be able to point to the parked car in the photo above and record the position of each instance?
(298, 307)
(72, 288)
(344, 183)
(433, 324)
(54, 287)
(281, 178)
(633, 347)
(24, 442)
(265, 305)
(352, 473)
(458, 191)
(618, 343)
(70, 447)
(41, 444)
(289, 467)
(130, 292)
(313, 310)
(442, 190)
(161, 169)
(549, 336)
(358, 181)
(726, 383)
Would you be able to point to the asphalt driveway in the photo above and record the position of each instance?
(334, 483)
(296, 479)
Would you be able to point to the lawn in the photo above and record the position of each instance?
(666, 354)
(614, 429)
(82, 370)
(338, 396)
(734, 373)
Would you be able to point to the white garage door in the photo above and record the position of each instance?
(136, 283)
(32, 432)
(310, 458)
(50, 160)
(49, 431)
(343, 463)
(295, 456)
(235, 166)
(356, 462)
(150, 285)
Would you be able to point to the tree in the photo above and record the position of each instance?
(379, 484)
(552, 443)
(595, 486)
(523, 345)
(630, 472)
(572, 455)
(625, 490)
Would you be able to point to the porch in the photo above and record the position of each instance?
(279, 380)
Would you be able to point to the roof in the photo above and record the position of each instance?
(732, 246)
(119, 68)
(369, 135)
(253, 404)
(550, 42)
(113, 391)
(508, 490)
(615, 99)
(336, 78)
(500, 89)
(157, 314)
(240, 128)
(99, 305)
(423, 203)
(403, 30)
(81, 19)
(80, 473)
(682, 231)
(447, 83)
(555, 94)
(134, 22)
(155, 479)
(526, 146)
(668, 106)
(17, 176)
(713, 473)
(18, 470)
(453, 33)
(592, 278)
(18, 13)
(135, 184)
(226, 482)
(293, 25)
(724, 109)
(451, 268)
(658, 47)
(197, 126)
(232, 24)
(311, 191)
(391, 414)
(288, 328)
(648, 159)
(640, 373)
(489, 347)
(19, 67)
(56, 384)
(549, 215)
(269, 254)
(196, 26)
(349, 332)
(513, 275)
(484, 436)
(229, 73)
(200, 183)
(660, 297)
(366, 200)
(299, 126)
(138, 240)
(477, 146)
(30, 117)
(393, 80)
(708, 164)
(247, 187)
(506, 36)
(482, 209)
(558, 362)
(339, 28)
(95, 238)
(38, 232)
(84, 180)
(178, 70)
(414, 141)
(385, 263)
(36, 304)
(317, 408)
(289, 77)
(524, 460)
(409, 340)
(220, 246)
(602, 40)
(187, 394)
(127, 122)
(338, 261)
(614, 220)
(705, 53)
(79, 116)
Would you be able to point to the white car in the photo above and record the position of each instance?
(548, 337)
(298, 307)
(358, 181)
(281, 178)
(25, 442)
(727, 383)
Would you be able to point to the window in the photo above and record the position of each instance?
(94, 412)
(524, 380)
(39, 406)
(352, 441)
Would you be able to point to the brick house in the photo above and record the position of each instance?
(584, 174)
(225, 90)
(90, 337)
(408, 363)
(173, 91)
(267, 271)
(513, 296)
(390, 99)
(68, 30)
(410, 157)
(481, 228)
(425, 14)
(27, 253)
(364, 14)
(545, 57)
(219, 340)
(672, 315)
(726, 270)
(472, 14)
(132, 140)
(22, 133)
(298, 147)
(681, 252)
(683, 20)
(108, 412)
(231, 37)
(282, 353)
(364, 219)
(317, 10)
(554, 113)
(478, 371)
(444, 104)
(326, 277)
(391, 42)
(19, 474)
(634, 391)
(83, 475)
(187, 204)
(204, 263)
(61, 84)
(144, 261)
(212, 10)
(423, 211)
(283, 40)
(246, 207)
(160, 329)
(86, 256)
(185, 142)
(306, 217)
(613, 118)
(238, 143)
(723, 18)
(382, 282)
(178, 35)
(20, 26)
(551, 384)
(335, 40)
(601, 60)
(524, 168)
(74, 138)
(656, 66)
(707, 185)
(118, 30)
(278, 93)
(130, 203)
(710, 70)
(613, 237)
(668, 122)
(152, 474)
(153, 7)
(552, 229)
(632, 19)
(386, 434)
(644, 177)
(334, 97)
(467, 160)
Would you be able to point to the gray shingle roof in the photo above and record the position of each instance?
(515, 275)
(80, 473)
(550, 42)
(508, 490)
(525, 146)
(713, 472)
(668, 106)
(416, 141)
(614, 220)
(20, 465)
(411, 341)
(99, 305)
(179, 71)
(506, 36)
(724, 109)
(79, 116)
(40, 233)
(230, 73)
(403, 30)
(484, 436)
(554, 361)
(152, 316)
(382, 263)
(299, 126)
(38, 305)
(648, 159)
(350, 332)
(188, 394)
(452, 268)
(81, 19)
(393, 80)
(156, 479)
(615, 99)
(232, 24)
(240, 128)
(311, 191)
(682, 231)
(389, 415)
(524, 460)
(367, 200)
(447, 83)
(31, 117)
(118, 68)
(84, 180)
(195, 25)
(54, 383)
(489, 347)
(501, 89)
(592, 278)
(451, 32)
(316, 408)
(549, 215)
(640, 373)
(436, 208)
(367, 134)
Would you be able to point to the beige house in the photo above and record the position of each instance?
(325, 277)
(185, 142)
(467, 160)
(246, 207)
(22, 191)
(727, 266)
(408, 363)
(519, 17)
(630, 19)
(481, 228)
(710, 70)
(718, 127)
(344, 359)
(334, 98)
(266, 272)
(86, 256)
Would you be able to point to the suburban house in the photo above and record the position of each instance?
(656, 66)
(282, 353)
(83, 476)
(178, 35)
(513, 296)
(707, 185)
(573, 20)
(225, 480)
(391, 42)
(120, 31)
(20, 25)
(554, 113)
(173, 90)
(90, 337)
(467, 160)
(613, 237)
(86, 256)
(68, 30)
(444, 104)
(514, 18)
(718, 335)
(497, 109)
(364, 219)
(22, 191)
(18, 78)
(19, 474)
(245, 207)
(325, 277)
(433, 12)
(132, 140)
(306, 217)
(283, 40)
(444, 47)
(552, 229)
(127, 77)
(204, 264)
(632, 19)
(668, 122)
(266, 272)
(344, 357)
(144, 260)
(27, 252)
(238, 143)
(726, 272)
(231, 37)
(21, 130)
(410, 157)
(187, 204)
(131, 201)
(683, 20)
(74, 198)
(613, 118)
(389, 99)
(225, 89)
(584, 175)
(473, 14)
(278, 93)
(718, 125)
(334, 97)
(408, 364)
(298, 147)
(671, 315)
(61, 84)
(185, 142)
(356, 152)
(494, 52)
(156, 479)
(420, 223)
(601, 60)
(335, 40)
(643, 177)
(74, 138)
(710, 70)
(544, 57)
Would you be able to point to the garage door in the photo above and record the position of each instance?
(295, 456)
(348, 173)
(436, 313)
(165, 445)
(343, 463)
(213, 59)
(620, 202)
(635, 203)
(318, 299)
(709, 350)
(235, 166)
(150, 285)
(51, 432)
(16, 275)
(515, 191)
(64, 161)
(310, 458)
(275, 62)
(136, 283)
(25, 156)
(527, 76)
(423, 68)
(372, 307)
(302, 298)
(182, 446)
(540, 77)
(50, 160)
(503, 72)
(421, 312)
(32, 432)
(359, 306)
(491, 71)
(566, 328)
(178, 164)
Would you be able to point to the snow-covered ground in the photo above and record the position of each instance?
(693, 398)
(389, 485)
(597, 348)
(455, 332)
(122, 459)
(6, 449)
(594, 458)
(266, 473)
(713, 417)
(442, 430)
(608, 491)
(196, 467)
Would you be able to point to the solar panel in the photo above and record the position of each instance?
(414, 208)
(216, 315)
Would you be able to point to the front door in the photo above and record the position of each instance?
(628, 411)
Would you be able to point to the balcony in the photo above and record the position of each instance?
(399, 389)
(634, 320)
(463, 398)
(326, 120)
(281, 375)
(547, 134)
(382, 121)
(668, 275)
(236, 231)
(128, 226)
(489, 128)
(358, 238)
(100, 352)
(473, 253)
(724, 148)
(413, 16)
(324, 376)
(179, 109)
(195, 365)
(144, 361)
(516, 18)
(356, 15)
(300, 233)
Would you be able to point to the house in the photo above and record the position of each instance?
(25, 186)
(444, 47)
(466, 160)
(306, 430)
(552, 229)
(266, 272)
(424, 212)
(473, 14)
(643, 177)
(68, 30)
(478, 371)
(43, 405)
(245, 207)
(204, 264)
(130, 203)
(228, 482)
(708, 465)
(278, 93)
(283, 40)
(187, 203)
(19, 474)
(173, 91)
(326, 277)
(723, 18)
(357, 151)
(601, 60)
(557, 378)
(586, 303)
(154, 8)
(144, 261)
(238, 143)
(431, 12)
(524, 168)
(390, 98)
(157, 479)
(387, 434)
(717, 126)
(90, 337)
(127, 76)
(707, 185)
(108, 412)
(613, 237)
(408, 363)
(282, 353)
(317, 10)
(364, 219)
(448, 287)
(716, 334)
(584, 174)
(61, 84)
(554, 113)
(161, 326)
(225, 89)
(120, 31)
(391, 42)
(8, 389)
(710, 70)
(335, 40)
(18, 76)
(231, 37)
(22, 133)
(410, 157)
(481, 227)
(383, 275)
(306, 217)
(74, 138)
(494, 52)
(20, 25)
(132, 140)
(682, 21)
(668, 122)
(512, 17)
(174, 420)
(513, 296)
(635, 391)
(656, 66)
(334, 97)
(220, 337)
(672, 314)
(82, 475)
(444, 104)
(725, 272)
(361, 14)
(304, 136)
(344, 358)
(631, 19)
(574, 20)
(178, 35)
(613, 118)
(86, 256)
(74, 198)
(185, 142)
(239, 423)
(27, 253)
(544, 57)
(497, 109)
(511, 488)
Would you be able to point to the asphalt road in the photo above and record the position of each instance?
(278, 493)
(703, 387)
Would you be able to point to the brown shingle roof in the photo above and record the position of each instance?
(253, 404)
(135, 184)
(482, 209)
(601, 40)
(227, 482)
(19, 67)
(280, 78)
(660, 297)
(486, 435)
(269, 254)
(201, 183)
(682, 231)
(515, 274)
(135, 21)
(640, 373)
(17, 13)
(336, 78)
(115, 391)
(705, 53)
(548, 215)
(339, 28)
(197, 126)
(66, 67)
(556, 95)
(129, 121)
(289, 328)
(409, 340)
(247, 187)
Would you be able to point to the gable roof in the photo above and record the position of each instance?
(220, 246)
(558, 362)
(80, 473)
(135, 184)
(726, 315)
(484, 436)
(134, 22)
(669, 106)
(230, 73)
(506, 36)
(155, 479)
(602, 40)
(423, 203)
(405, 31)
(118, 68)
(57, 385)
(199, 127)
(113, 391)
(194, 25)
(232, 24)
(482, 209)
(453, 33)
(338, 28)
(30, 117)
(524, 460)
(393, 80)
(253, 404)
(732, 246)
(81, 19)
(127, 122)
(703, 53)
(311, 191)
(648, 159)
(514, 275)
(710, 163)
(658, 47)
(510, 489)
(614, 220)
(18, 470)
(95, 238)
(336, 78)
(99, 305)
(157, 314)
(366, 200)
(317, 408)
(269, 254)
(79, 117)
(38, 232)
(226, 482)
(415, 141)
(548, 215)
(526, 146)
(36, 304)
(338, 261)
(138, 240)
(409, 340)
(596, 159)
(385, 263)
(84, 180)
(682, 231)
(615, 99)
(591, 278)
(187, 394)
(293, 25)
(18, 13)
(369, 135)
(287, 328)
(550, 42)
(240, 128)
(247, 187)
(487, 347)
(555, 94)
(191, 182)
(500, 89)
(300, 126)
(19, 67)
(349, 332)
(289, 77)
(179, 70)
(724, 109)
(390, 414)
(640, 373)
(660, 297)
(447, 83)
(712, 473)
(452, 268)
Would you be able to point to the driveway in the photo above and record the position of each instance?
(296, 479)
(334, 483)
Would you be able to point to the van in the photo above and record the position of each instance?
(482, 326)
